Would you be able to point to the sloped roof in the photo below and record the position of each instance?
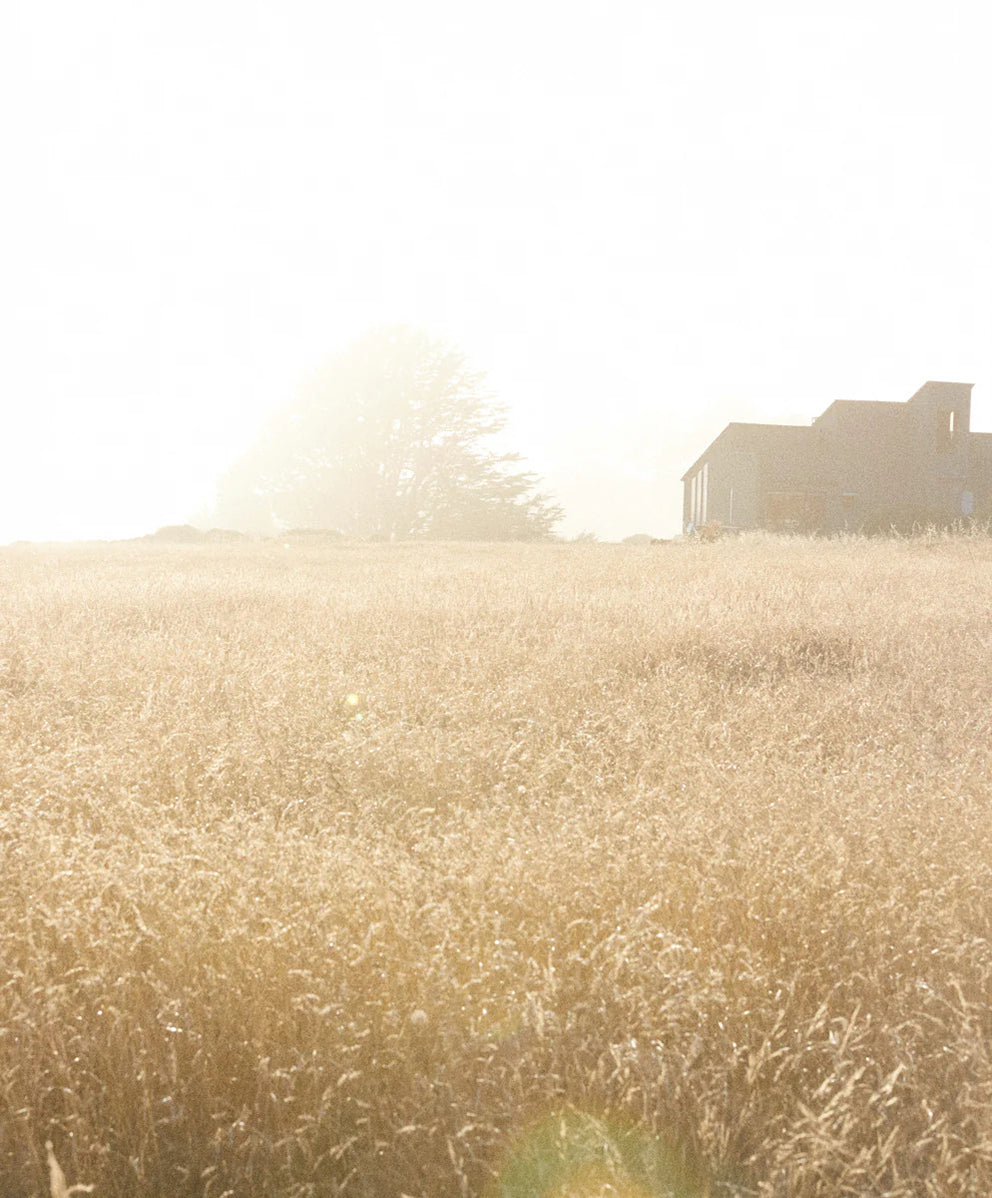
(754, 437)
(866, 409)
(796, 438)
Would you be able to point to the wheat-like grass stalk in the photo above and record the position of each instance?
(56, 1178)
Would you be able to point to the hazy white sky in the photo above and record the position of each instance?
(641, 219)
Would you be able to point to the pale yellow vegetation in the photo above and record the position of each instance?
(512, 871)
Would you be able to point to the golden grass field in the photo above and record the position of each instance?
(511, 871)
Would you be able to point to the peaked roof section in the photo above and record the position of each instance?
(939, 383)
(872, 407)
(794, 437)
(756, 437)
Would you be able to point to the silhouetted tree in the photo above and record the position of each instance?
(388, 441)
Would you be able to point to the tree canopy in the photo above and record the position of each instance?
(388, 441)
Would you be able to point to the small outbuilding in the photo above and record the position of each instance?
(860, 466)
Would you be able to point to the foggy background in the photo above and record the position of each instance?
(641, 220)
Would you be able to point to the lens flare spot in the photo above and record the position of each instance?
(574, 1154)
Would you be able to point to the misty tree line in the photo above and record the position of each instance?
(388, 441)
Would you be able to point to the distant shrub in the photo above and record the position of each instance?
(184, 534)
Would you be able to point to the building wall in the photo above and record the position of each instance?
(728, 482)
(941, 419)
(732, 485)
(866, 457)
(738, 470)
(979, 481)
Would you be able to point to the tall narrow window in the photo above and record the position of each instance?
(945, 431)
(705, 475)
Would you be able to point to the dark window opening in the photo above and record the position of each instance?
(945, 431)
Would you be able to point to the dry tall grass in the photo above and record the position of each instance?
(517, 871)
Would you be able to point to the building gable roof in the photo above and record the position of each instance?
(752, 437)
(796, 437)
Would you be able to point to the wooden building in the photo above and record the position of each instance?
(860, 466)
